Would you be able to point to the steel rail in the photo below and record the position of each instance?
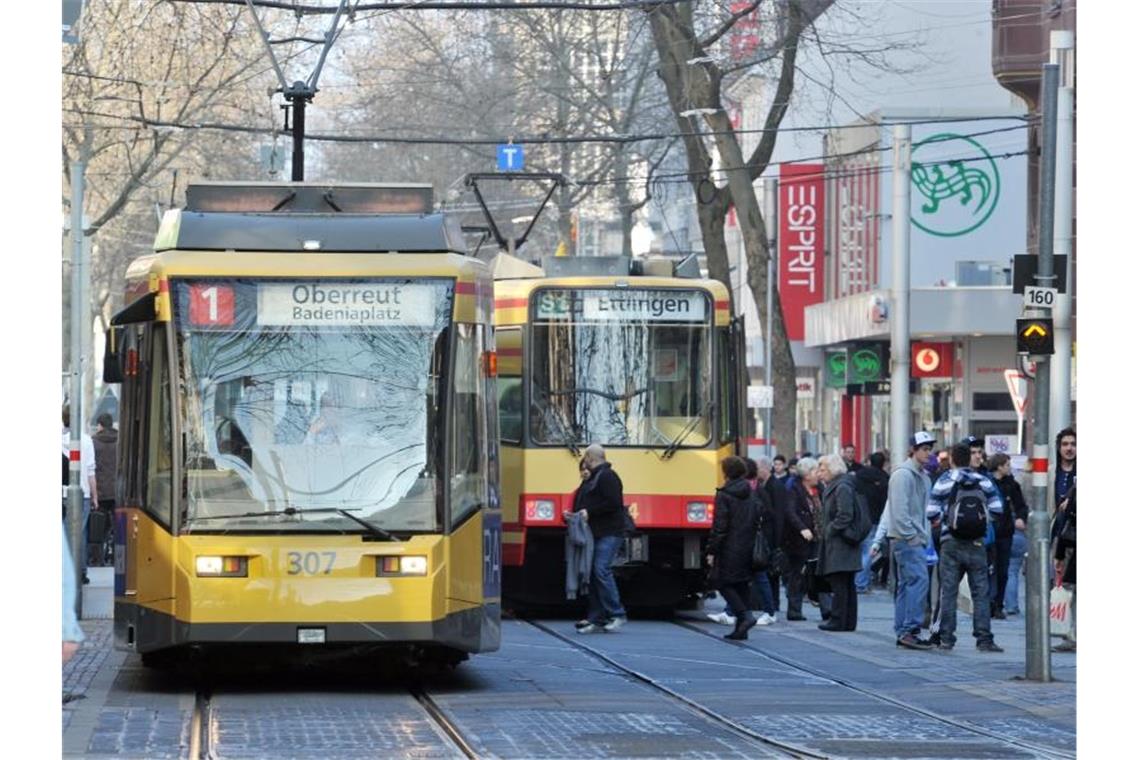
(1028, 746)
(709, 714)
(446, 724)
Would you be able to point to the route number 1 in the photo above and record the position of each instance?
(211, 304)
(1040, 298)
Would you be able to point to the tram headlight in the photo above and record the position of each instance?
(699, 512)
(221, 567)
(401, 565)
(413, 565)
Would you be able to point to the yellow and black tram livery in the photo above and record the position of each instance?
(642, 359)
(308, 450)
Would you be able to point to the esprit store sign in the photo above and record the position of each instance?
(801, 243)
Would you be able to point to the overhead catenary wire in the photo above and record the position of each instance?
(466, 5)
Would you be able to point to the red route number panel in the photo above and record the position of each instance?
(211, 305)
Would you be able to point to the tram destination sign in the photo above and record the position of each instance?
(624, 305)
(317, 304)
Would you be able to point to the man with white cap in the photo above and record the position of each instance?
(909, 531)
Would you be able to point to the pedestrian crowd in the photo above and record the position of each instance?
(830, 529)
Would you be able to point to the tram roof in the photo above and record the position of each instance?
(310, 232)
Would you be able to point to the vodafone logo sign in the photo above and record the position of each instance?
(931, 359)
(927, 360)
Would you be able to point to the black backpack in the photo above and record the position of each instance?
(966, 515)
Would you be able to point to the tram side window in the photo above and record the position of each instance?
(132, 416)
(159, 490)
(508, 341)
(468, 423)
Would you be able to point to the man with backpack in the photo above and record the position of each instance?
(964, 502)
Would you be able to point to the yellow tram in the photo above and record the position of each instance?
(637, 357)
(308, 449)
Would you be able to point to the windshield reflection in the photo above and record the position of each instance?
(287, 418)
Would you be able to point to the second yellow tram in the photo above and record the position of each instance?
(596, 351)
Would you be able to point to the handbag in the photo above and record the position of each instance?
(1060, 610)
(761, 552)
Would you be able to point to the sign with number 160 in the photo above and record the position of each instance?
(1040, 298)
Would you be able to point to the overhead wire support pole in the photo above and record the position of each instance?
(75, 522)
(1038, 665)
(1061, 45)
(771, 204)
(900, 297)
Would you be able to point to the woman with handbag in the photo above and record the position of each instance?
(731, 543)
(798, 542)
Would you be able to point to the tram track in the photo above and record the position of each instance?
(692, 706)
(1041, 750)
(202, 734)
(443, 722)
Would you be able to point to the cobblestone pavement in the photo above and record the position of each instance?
(539, 697)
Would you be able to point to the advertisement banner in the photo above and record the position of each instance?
(801, 243)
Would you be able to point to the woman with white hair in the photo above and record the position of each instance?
(802, 506)
(839, 559)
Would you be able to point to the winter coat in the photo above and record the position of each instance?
(106, 444)
(773, 505)
(1062, 544)
(601, 496)
(872, 482)
(798, 514)
(1015, 506)
(835, 554)
(579, 557)
(735, 519)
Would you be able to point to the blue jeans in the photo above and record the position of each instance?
(764, 590)
(863, 577)
(912, 585)
(1016, 558)
(604, 600)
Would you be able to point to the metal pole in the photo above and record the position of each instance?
(1060, 416)
(78, 310)
(298, 99)
(771, 192)
(1038, 665)
(900, 298)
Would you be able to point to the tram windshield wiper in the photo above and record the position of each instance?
(373, 529)
(290, 511)
(671, 449)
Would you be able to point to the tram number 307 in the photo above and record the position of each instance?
(310, 563)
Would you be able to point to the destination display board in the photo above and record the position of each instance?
(246, 304)
(622, 305)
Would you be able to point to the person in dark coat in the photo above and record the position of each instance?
(1012, 520)
(872, 482)
(799, 533)
(106, 443)
(1065, 561)
(735, 521)
(838, 559)
(600, 498)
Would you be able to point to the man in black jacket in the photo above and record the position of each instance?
(600, 498)
(872, 482)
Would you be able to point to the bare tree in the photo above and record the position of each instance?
(686, 44)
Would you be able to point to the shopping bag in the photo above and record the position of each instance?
(1060, 611)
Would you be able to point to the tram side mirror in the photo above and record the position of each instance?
(113, 355)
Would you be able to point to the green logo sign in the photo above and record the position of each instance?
(960, 191)
(865, 365)
(836, 364)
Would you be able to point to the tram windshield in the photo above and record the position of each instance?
(621, 367)
(308, 404)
